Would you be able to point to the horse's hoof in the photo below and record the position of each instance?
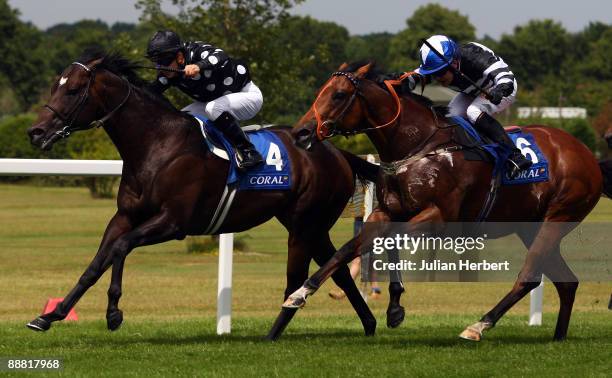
(470, 334)
(298, 298)
(114, 320)
(294, 303)
(474, 332)
(39, 324)
(395, 316)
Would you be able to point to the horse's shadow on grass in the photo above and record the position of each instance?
(442, 338)
(407, 336)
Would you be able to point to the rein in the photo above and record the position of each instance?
(69, 120)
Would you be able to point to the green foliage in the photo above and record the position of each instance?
(249, 30)
(23, 68)
(210, 243)
(426, 21)
(536, 51)
(92, 144)
(578, 127)
(14, 141)
(359, 144)
(290, 58)
(373, 46)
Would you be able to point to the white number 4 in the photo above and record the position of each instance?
(274, 157)
(523, 145)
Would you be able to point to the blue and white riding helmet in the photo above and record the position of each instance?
(430, 62)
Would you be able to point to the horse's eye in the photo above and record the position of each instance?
(340, 95)
(72, 92)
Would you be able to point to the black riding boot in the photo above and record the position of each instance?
(489, 126)
(246, 155)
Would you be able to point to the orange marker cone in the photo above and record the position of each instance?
(52, 304)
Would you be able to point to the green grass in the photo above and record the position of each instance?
(49, 235)
(326, 346)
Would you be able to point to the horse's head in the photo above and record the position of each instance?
(340, 107)
(76, 103)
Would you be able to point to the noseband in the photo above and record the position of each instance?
(69, 120)
(329, 127)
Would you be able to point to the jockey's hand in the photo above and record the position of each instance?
(191, 70)
(496, 96)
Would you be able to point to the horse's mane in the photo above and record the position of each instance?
(118, 64)
(377, 74)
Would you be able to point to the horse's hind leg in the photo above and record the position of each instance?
(323, 251)
(545, 244)
(118, 226)
(566, 284)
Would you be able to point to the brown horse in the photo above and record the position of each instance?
(172, 184)
(426, 179)
(608, 136)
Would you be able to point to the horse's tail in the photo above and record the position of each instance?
(362, 169)
(606, 171)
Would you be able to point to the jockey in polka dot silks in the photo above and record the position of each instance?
(489, 72)
(221, 87)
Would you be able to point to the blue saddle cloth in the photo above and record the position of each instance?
(273, 174)
(525, 142)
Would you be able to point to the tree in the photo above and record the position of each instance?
(67, 42)
(374, 46)
(22, 63)
(246, 29)
(426, 21)
(320, 45)
(535, 52)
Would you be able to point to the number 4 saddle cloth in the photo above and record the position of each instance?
(497, 155)
(273, 174)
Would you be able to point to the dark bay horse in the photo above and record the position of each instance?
(171, 183)
(427, 180)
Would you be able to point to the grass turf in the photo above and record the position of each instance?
(50, 234)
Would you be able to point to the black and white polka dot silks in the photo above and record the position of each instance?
(219, 74)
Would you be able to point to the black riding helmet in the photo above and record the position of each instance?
(163, 46)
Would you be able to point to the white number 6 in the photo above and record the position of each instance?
(523, 145)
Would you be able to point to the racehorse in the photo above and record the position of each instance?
(172, 185)
(426, 179)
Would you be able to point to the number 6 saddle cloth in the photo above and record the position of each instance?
(477, 147)
(273, 174)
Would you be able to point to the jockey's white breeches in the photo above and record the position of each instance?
(242, 105)
(471, 108)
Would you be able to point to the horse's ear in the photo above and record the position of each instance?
(94, 63)
(343, 67)
(361, 72)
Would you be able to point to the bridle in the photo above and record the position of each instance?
(329, 127)
(68, 120)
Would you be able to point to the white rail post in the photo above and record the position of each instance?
(368, 207)
(224, 287)
(368, 198)
(535, 305)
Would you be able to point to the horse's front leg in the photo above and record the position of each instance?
(345, 254)
(158, 229)
(118, 225)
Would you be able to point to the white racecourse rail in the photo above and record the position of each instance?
(59, 167)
